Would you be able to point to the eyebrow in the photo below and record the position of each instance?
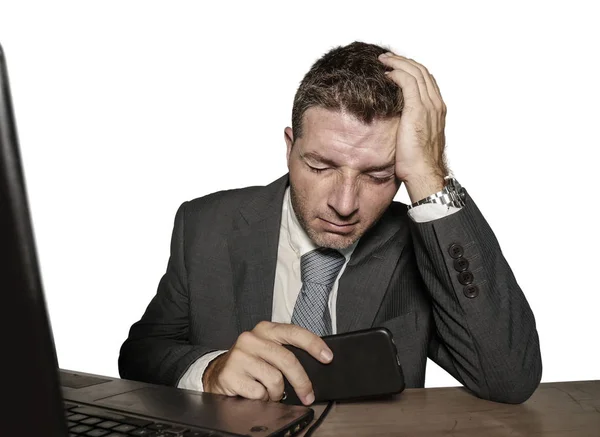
(315, 156)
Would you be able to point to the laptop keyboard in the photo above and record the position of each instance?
(96, 422)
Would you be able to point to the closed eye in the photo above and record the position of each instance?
(316, 169)
(380, 179)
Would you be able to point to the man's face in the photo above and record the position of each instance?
(342, 175)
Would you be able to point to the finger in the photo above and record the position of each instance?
(232, 379)
(433, 89)
(401, 63)
(267, 375)
(435, 85)
(289, 366)
(249, 388)
(283, 360)
(410, 89)
(437, 89)
(295, 335)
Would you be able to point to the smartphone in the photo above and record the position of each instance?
(365, 365)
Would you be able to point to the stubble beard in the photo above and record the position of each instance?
(321, 239)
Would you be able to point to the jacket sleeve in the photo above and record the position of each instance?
(485, 334)
(158, 349)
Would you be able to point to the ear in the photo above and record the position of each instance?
(289, 141)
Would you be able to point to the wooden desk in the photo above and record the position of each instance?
(562, 409)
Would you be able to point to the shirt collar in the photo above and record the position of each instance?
(298, 239)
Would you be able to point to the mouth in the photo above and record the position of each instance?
(338, 228)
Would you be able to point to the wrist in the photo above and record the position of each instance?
(451, 195)
(207, 375)
(423, 185)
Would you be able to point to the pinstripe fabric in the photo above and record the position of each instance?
(319, 269)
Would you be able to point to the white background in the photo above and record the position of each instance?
(127, 108)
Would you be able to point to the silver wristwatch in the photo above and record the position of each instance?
(453, 194)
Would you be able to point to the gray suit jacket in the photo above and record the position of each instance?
(220, 278)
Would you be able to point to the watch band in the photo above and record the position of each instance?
(453, 194)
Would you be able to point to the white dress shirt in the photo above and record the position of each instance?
(293, 243)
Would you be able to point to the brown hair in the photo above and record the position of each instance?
(349, 79)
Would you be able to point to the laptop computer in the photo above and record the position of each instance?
(46, 401)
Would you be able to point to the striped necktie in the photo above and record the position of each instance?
(318, 269)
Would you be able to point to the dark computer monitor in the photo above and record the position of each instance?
(33, 395)
(31, 388)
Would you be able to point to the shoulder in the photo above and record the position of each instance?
(222, 210)
(223, 205)
(224, 201)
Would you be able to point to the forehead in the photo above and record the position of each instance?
(340, 134)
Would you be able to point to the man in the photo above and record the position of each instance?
(326, 250)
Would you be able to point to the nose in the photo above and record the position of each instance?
(344, 198)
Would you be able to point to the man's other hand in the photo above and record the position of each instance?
(420, 158)
(254, 367)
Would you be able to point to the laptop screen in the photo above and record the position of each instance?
(29, 364)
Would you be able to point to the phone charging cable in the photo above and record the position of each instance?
(311, 429)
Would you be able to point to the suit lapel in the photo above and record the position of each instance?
(253, 246)
(253, 253)
(367, 275)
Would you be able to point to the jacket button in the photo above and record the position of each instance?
(465, 278)
(456, 250)
(461, 264)
(471, 291)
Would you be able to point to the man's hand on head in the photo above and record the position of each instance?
(254, 367)
(420, 141)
